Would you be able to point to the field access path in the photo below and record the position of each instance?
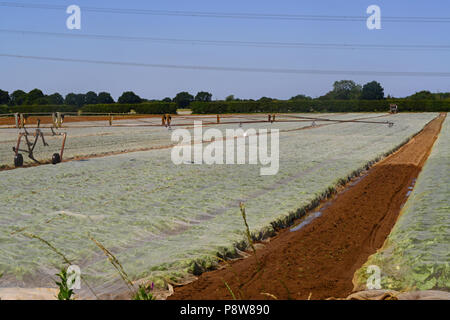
(319, 260)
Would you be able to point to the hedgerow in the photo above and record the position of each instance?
(319, 106)
(142, 108)
(42, 108)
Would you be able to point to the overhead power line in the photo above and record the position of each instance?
(232, 42)
(238, 69)
(227, 15)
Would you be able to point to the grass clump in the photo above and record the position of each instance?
(247, 231)
(144, 293)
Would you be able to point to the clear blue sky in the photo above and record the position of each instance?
(65, 77)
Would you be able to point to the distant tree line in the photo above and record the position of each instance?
(346, 96)
(37, 97)
(342, 90)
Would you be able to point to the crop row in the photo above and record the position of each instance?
(416, 255)
(163, 220)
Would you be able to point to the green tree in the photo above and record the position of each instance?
(18, 97)
(230, 98)
(129, 97)
(265, 99)
(105, 98)
(327, 96)
(73, 99)
(203, 96)
(33, 96)
(91, 98)
(183, 99)
(41, 101)
(167, 99)
(300, 97)
(372, 91)
(422, 95)
(4, 97)
(80, 100)
(346, 90)
(55, 98)
(442, 95)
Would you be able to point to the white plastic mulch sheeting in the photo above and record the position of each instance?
(416, 254)
(157, 218)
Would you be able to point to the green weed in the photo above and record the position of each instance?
(247, 231)
(64, 292)
(143, 293)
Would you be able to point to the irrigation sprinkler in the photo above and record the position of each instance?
(54, 121)
(59, 119)
(30, 144)
(393, 108)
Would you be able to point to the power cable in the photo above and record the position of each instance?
(238, 69)
(232, 42)
(227, 15)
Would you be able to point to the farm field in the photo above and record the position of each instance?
(317, 258)
(416, 253)
(161, 220)
(92, 138)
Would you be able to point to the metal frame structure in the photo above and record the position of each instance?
(18, 158)
(393, 108)
(31, 139)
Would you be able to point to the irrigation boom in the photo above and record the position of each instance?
(18, 158)
(31, 139)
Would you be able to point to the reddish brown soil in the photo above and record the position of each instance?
(32, 120)
(319, 260)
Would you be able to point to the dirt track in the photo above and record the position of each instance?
(319, 260)
(32, 120)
